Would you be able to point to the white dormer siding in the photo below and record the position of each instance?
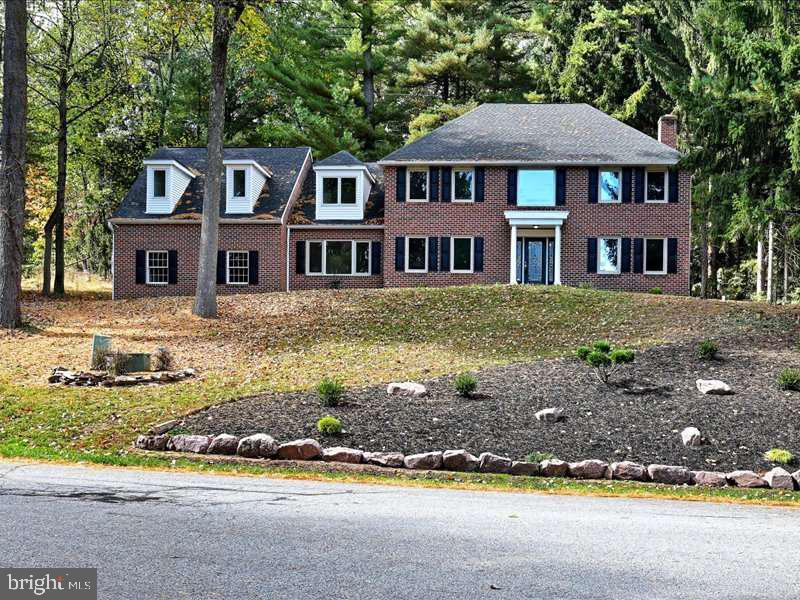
(255, 176)
(176, 180)
(340, 208)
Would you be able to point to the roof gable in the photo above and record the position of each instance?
(341, 159)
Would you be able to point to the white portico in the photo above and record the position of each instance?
(536, 245)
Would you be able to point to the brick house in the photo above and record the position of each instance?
(507, 193)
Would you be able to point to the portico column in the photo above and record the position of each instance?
(557, 269)
(513, 276)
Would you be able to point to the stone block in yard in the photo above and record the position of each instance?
(552, 467)
(426, 460)
(671, 474)
(384, 459)
(550, 415)
(224, 443)
(189, 443)
(163, 427)
(521, 467)
(152, 442)
(588, 469)
(306, 449)
(492, 463)
(343, 455)
(779, 479)
(709, 478)
(459, 460)
(745, 479)
(628, 471)
(713, 386)
(258, 445)
(691, 436)
(406, 388)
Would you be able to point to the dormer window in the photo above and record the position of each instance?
(167, 181)
(244, 181)
(343, 185)
(159, 183)
(339, 190)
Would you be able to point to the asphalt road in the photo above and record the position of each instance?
(174, 535)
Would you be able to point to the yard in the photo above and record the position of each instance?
(267, 344)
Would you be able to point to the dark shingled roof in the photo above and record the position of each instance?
(341, 159)
(569, 134)
(285, 165)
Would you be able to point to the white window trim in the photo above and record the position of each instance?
(427, 172)
(407, 257)
(453, 184)
(666, 186)
(353, 259)
(164, 170)
(619, 255)
(453, 254)
(663, 271)
(228, 267)
(338, 202)
(555, 187)
(233, 182)
(600, 186)
(147, 267)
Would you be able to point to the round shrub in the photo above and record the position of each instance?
(621, 356)
(330, 392)
(596, 358)
(780, 456)
(329, 425)
(789, 379)
(583, 352)
(602, 346)
(707, 350)
(465, 384)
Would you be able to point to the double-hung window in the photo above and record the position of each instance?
(463, 184)
(157, 267)
(462, 254)
(656, 186)
(655, 256)
(159, 183)
(416, 254)
(536, 187)
(609, 187)
(417, 184)
(608, 256)
(238, 267)
(338, 257)
(338, 190)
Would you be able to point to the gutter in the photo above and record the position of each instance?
(335, 226)
(168, 221)
(532, 163)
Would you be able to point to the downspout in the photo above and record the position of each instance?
(113, 248)
(288, 246)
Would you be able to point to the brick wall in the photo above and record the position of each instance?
(310, 282)
(185, 238)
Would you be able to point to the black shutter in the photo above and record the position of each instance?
(561, 187)
(446, 178)
(400, 184)
(480, 183)
(172, 267)
(376, 258)
(300, 257)
(638, 255)
(399, 254)
(478, 254)
(433, 254)
(626, 255)
(627, 184)
(221, 266)
(592, 173)
(672, 255)
(511, 185)
(673, 186)
(141, 266)
(591, 255)
(434, 195)
(252, 265)
(445, 254)
(638, 193)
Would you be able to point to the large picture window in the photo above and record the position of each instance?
(463, 185)
(338, 190)
(157, 267)
(416, 254)
(655, 256)
(238, 267)
(338, 257)
(159, 183)
(656, 186)
(461, 255)
(536, 187)
(608, 256)
(610, 188)
(417, 185)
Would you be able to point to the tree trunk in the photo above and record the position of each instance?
(713, 265)
(61, 192)
(770, 263)
(704, 257)
(13, 140)
(367, 25)
(226, 14)
(786, 266)
(759, 265)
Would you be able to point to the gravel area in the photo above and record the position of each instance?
(601, 422)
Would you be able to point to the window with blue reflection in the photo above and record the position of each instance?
(536, 187)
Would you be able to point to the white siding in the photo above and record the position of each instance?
(346, 212)
(176, 182)
(254, 183)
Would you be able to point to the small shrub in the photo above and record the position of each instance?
(117, 363)
(789, 379)
(465, 384)
(329, 425)
(162, 359)
(583, 352)
(330, 392)
(707, 350)
(602, 346)
(621, 356)
(604, 358)
(780, 456)
(657, 291)
(537, 457)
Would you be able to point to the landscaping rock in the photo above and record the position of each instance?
(588, 469)
(384, 459)
(796, 477)
(521, 467)
(709, 478)
(713, 386)
(406, 388)
(459, 460)
(491, 463)
(691, 436)
(669, 474)
(123, 380)
(779, 479)
(628, 471)
(552, 467)
(189, 443)
(259, 445)
(426, 460)
(306, 449)
(163, 427)
(745, 479)
(344, 455)
(550, 415)
(224, 443)
(152, 442)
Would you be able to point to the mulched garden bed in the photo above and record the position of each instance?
(601, 422)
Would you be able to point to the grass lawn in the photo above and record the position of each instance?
(289, 341)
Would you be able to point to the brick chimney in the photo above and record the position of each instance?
(668, 130)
